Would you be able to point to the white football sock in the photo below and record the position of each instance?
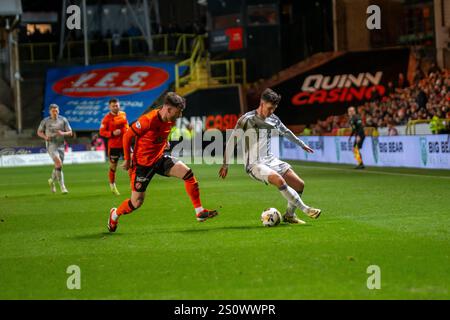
(198, 210)
(292, 197)
(290, 211)
(60, 177)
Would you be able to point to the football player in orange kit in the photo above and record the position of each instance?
(150, 132)
(114, 125)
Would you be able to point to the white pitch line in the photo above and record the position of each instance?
(376, 172)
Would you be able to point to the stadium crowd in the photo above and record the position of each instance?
(428, 98)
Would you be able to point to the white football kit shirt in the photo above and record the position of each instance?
(256, 133)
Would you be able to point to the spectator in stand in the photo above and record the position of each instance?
(376, 97)
(402, 82)
(421, 101)
(392, 130)
(307, 131)
(370, 122)
(390, 89)
(317, 131)
(418, 75)
(422, 115)
(335, 125)
(445, 110)
(437, 125)
(433, 69)
(97, 143)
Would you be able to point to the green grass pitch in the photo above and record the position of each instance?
(397, 219)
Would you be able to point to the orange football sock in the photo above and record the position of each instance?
(192, 189)
(125, 208)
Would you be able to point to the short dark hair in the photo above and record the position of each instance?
(113, 100)
(271, 96)
(53, 106)
(175, 100)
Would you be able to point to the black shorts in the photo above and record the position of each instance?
(115, 154)
(361, 141)
(141, 175)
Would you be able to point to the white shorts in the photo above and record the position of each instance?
(262, 171)
(55, 150)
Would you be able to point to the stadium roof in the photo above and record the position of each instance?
(10, 8)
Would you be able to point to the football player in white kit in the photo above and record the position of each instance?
(256, 127)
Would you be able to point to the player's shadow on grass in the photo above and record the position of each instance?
(237, 228)
(219, 228)
(106, 235)
(96, 236)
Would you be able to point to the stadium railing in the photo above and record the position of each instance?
(166, 44)
(411, 125)
(369, 131)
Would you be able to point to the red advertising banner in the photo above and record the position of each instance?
(235, 38)
(349, 80)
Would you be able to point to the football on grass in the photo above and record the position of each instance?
(270, 217)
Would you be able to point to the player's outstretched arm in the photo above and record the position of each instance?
(285, 132)
(308, 149)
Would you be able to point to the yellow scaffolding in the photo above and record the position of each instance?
(203, 73)
(411, 125)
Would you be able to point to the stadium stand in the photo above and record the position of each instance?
(425, 101)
